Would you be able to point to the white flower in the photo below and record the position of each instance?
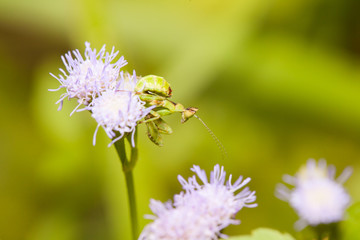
(217, 199)
(202, 210)
(178, 223)
(317, 197)
(87, 78)
(118, 110)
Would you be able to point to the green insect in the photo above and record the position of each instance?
(156, 91)
(154, 85)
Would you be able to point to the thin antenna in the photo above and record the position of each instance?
(218, 143)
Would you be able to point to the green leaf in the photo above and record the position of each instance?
(351, 225)
(264, 234)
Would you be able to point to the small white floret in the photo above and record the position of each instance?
(318, 198)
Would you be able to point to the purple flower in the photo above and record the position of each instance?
(88, 77)
(202, 210)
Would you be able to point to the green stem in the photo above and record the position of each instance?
(132, 203)
(127, 167)
(327, 231)
(120, 148)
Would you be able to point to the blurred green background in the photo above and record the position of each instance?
(278, 82)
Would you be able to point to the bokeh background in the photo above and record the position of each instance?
(277, 81)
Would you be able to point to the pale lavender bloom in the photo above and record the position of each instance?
(88, 77)
(318, 198)
(118, 110)
(179, 223)
(201, 211)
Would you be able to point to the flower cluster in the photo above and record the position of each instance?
(103, 89)
(202, 210)
(318, 198)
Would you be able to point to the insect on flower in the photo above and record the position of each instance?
(156, 91)
(118, 101)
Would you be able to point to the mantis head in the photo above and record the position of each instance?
(188, 113)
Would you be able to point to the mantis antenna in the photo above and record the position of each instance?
(218, 142)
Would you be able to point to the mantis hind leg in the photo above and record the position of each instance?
(155, 127)
(153, 133)
(162, 126)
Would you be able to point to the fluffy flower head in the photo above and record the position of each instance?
(318, 198)
(217, 196)
(118, 110)
(88, 77)
(201, 211)
(177, 224)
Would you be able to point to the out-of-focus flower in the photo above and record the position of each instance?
(87, 78)
(118, 110)
(318, 198)
(201, 211)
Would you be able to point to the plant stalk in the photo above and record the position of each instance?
(127, 167)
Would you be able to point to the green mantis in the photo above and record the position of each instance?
(156, 91)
